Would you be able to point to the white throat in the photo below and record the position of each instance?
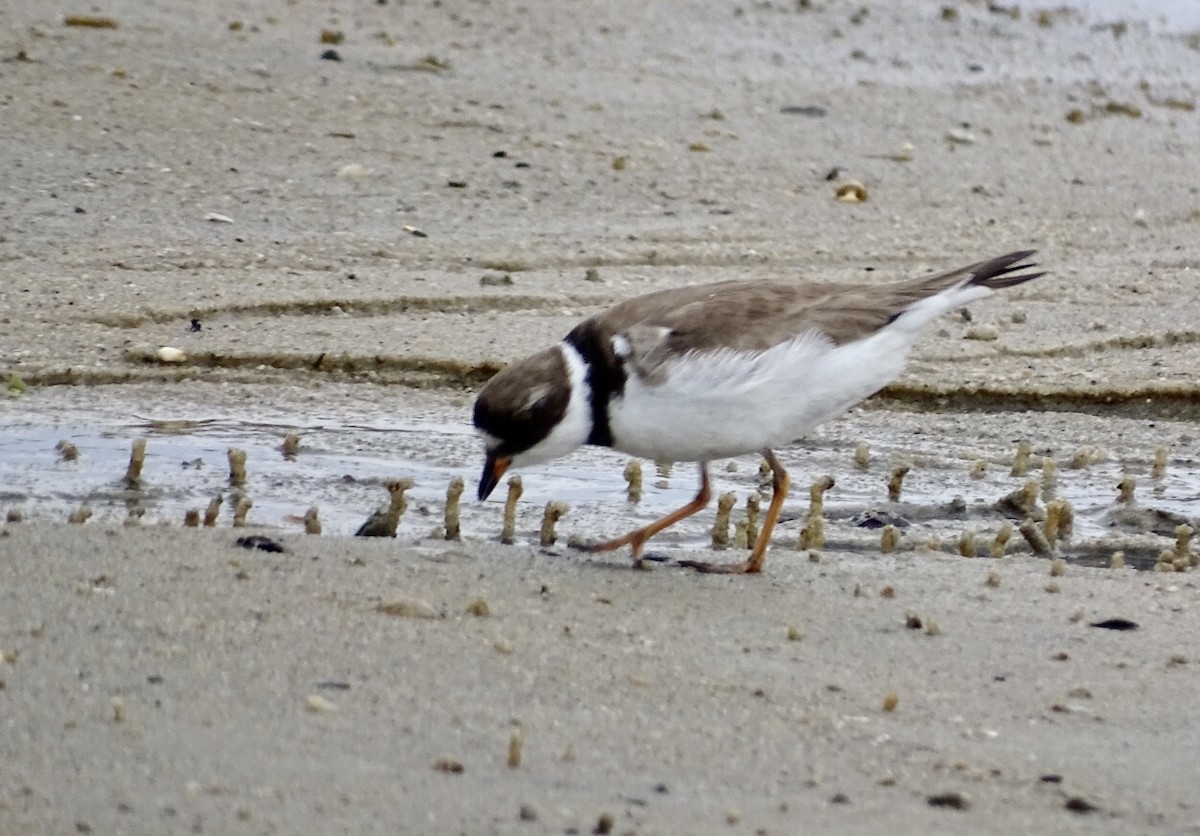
(576, 424)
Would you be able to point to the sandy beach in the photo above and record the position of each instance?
(346, 217)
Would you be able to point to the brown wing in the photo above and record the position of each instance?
(755, 315)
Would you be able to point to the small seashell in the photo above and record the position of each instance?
(852, 192)
(316, 704)
(960, 136)
(407, 608)
(354, 172)
(170, 354)
(217, 218)
(983, 333)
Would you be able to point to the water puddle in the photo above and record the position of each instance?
(1170, 15)
(341, 468)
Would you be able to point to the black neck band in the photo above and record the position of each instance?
(605, 378)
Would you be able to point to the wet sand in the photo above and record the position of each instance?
(330, 224)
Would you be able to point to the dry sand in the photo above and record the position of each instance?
(203, 162)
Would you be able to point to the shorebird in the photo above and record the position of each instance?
(717, 370)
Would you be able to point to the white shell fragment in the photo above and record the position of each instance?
(354, 172)
(170, 354)
(217, 218)
(316, 704)
(852, 192)
(983, 333)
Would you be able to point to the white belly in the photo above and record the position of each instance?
(727, 403)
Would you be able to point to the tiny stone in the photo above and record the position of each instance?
(407, 608)
(983, 333)
(316, 704)
(1079, 804)
(953, 800)
(449, 765)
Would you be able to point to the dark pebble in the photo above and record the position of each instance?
(1079, 804)
(878, 518)
(331, 55)
(952, 800)
(816, 111)
(260, 542)
(1115, 624)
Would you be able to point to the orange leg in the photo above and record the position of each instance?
(637, 539)
(780, 482)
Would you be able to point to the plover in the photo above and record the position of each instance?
(717, 370)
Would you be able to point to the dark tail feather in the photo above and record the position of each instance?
(1003, 271)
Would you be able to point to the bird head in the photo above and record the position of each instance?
(532, 411)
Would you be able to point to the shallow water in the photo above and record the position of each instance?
(1170, 15)
(341, 468)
